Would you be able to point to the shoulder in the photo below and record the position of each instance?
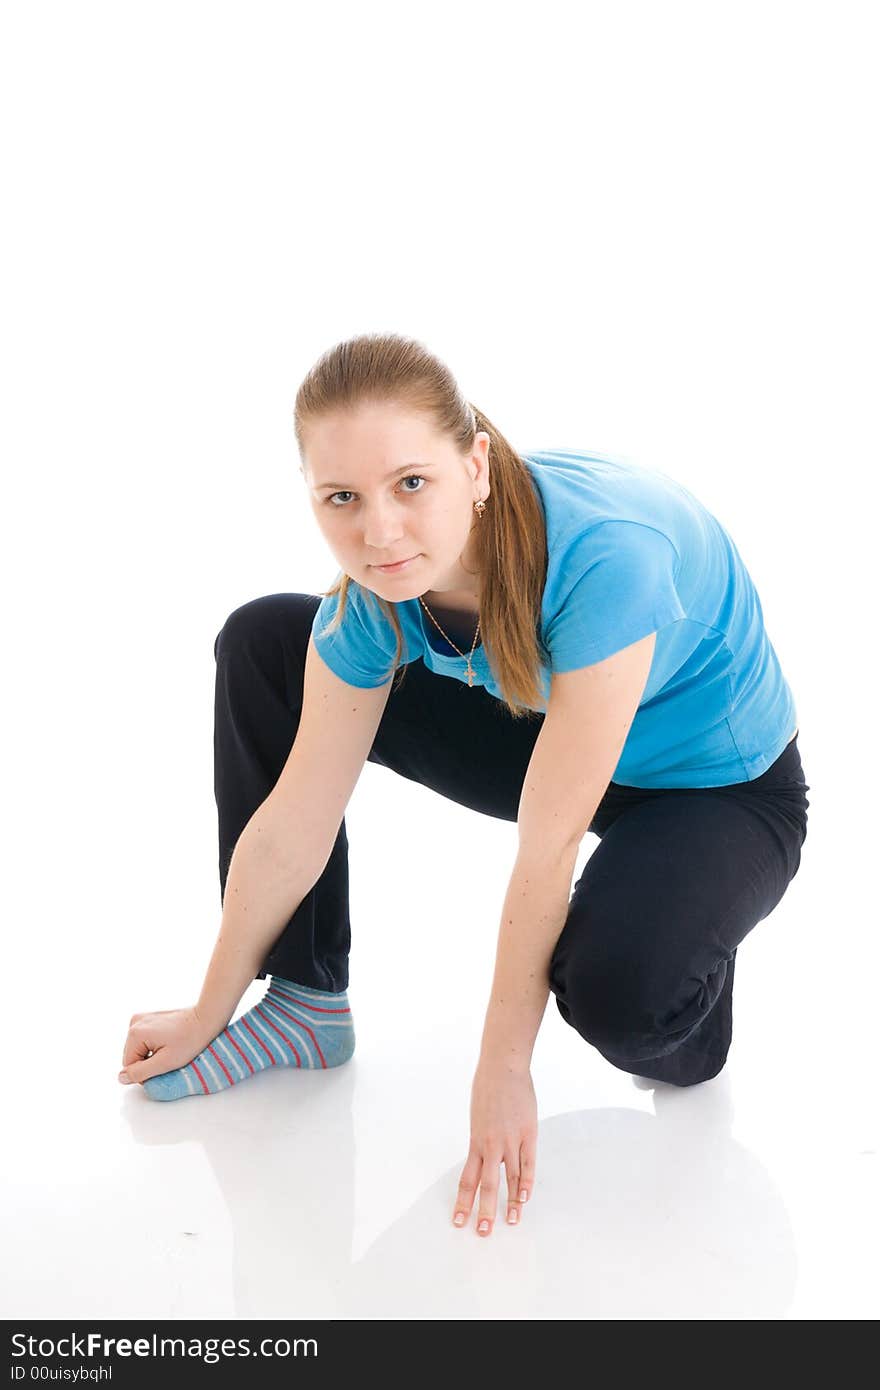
(609, 549)
(614, 585)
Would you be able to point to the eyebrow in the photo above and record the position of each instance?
(407, 468)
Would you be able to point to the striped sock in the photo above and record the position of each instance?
(292, 1026)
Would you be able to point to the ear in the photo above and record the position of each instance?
(480, 456)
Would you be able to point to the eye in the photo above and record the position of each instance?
(410, 477)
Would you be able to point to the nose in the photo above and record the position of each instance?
(382, 528)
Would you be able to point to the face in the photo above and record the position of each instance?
(425, 514)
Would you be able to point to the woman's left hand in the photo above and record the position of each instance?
(504, 1129)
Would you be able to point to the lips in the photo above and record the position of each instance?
(395, 565)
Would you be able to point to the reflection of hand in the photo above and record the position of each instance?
(504, 1129)
(160, 1042)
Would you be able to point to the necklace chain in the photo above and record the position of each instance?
(467, 657)
(479, 508)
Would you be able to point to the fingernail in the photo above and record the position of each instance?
(483, 1226)
(523, 1195)
(123, 1078)
(459, 1218)
(511, 1217)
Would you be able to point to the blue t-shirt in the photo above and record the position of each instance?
(630, 552)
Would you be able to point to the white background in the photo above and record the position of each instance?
(647, 230)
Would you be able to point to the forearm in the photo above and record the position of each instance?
(532, 919)
(265, 885)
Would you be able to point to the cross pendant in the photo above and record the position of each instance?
(470, 674)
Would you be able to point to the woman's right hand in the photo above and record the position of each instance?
(160, 1042)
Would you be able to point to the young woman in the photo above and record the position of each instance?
(557, 639)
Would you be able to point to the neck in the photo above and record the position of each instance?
(461, 600)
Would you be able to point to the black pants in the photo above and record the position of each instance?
(643, 968)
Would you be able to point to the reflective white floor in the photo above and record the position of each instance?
(178, 266)
(330, 1194)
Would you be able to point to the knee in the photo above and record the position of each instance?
(608, 1001)
(257, 622)
(621, 1003)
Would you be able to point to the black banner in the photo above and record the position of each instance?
(127, 1354)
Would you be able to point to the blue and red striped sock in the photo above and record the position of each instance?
(292, 1026)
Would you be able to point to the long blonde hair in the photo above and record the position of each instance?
(511, 544)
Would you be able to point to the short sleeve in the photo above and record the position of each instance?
(616, 584)
(361, 649)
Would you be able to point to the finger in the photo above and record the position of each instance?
(527, 1160)
(136, 1032)
(128, 1036)
(467, 1189)
(141, 1054)
(488, 1195)
(511, 1173)
(136, 1047)
(138, 1072)
(155, 1065)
